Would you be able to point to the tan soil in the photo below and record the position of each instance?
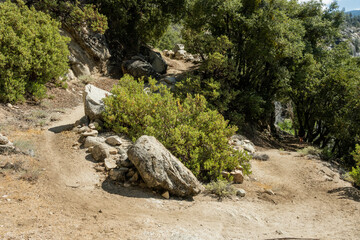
(73, 201)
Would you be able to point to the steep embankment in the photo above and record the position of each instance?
(73, 201)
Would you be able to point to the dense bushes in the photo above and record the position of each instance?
(32, 51)
(193, 133)
(72, 14)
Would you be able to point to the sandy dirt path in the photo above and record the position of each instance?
(73, 201)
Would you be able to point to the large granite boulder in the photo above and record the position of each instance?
(89, 52)
(161, 170)
(93, 101)
(157, 62)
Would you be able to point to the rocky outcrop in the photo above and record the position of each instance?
(89, 52)
(93, 101)
(352, 36)
(161, 170)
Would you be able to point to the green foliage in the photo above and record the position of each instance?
(171, 37)
(355, 173)
(221, 188)
(309, 151)
(134, 22)
(32, 51)
(73, 14)
(195, 134)
(287, 126)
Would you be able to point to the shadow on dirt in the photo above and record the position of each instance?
(136, 191)
(350, 193)
(62, 128)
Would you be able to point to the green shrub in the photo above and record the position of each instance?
(221, 188)
(32, 51)
(195, 134)
(355, 173)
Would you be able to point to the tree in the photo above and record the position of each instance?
(133, 23)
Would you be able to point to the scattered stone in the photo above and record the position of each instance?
(127, 184)
(130, 173)
(93, 101)
(3, 140)
(113, 151)
(83, 129)
(92, 126)
(241, 141)
(124, 169)
(180, 55)
(109, 164)
(241, 193)
(225, 174)
(92, 141)
(166, 195)
(238, 176)
(160, 169)
(113, 141)
(9, 105)
(100, 152)
(92, 133)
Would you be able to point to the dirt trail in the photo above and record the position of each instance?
(73, 201)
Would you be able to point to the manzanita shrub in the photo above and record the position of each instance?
(191, 131)
(32, 51)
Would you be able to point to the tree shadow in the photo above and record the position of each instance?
(350, 193)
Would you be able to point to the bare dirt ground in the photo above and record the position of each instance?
(70, 200)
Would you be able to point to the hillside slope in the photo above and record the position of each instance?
(71, 200)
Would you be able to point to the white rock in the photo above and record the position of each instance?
(93, 101)
(241, 193)
(109, 164)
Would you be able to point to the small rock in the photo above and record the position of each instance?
(166, 195)
(109, 164)
(238, 176)
(241, 193)
(124, 169)
(92, 133)
(84, 129)
(225, 174)
(127, 185)
(92, 141)
(9, 105)
(100, 152)
(3, 140)
(125, 163)
(113, 141)
(92, 126)
(113, 151)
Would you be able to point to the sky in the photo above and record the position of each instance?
(347, 4)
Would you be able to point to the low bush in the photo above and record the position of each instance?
(195, 134)
(32, 52)
(221, 188)
(355, 173)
